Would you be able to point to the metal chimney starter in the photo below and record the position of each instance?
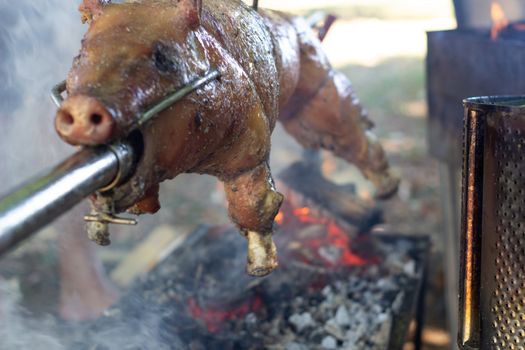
(492, 285)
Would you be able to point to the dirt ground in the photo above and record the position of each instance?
(390, 83)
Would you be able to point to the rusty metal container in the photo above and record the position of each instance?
(492, 284)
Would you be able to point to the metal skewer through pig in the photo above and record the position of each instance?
(272, 67)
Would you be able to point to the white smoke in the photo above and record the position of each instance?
(38, 40)
(18, 329)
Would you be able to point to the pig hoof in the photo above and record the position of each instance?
(259, 271)
(262, 254)
(98, 232)
(387, 187)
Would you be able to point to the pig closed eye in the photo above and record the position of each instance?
(162, 61)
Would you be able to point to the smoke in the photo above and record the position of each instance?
(38, 40)
(19, 330)
(22, 331)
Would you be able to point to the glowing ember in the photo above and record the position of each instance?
(304, 216)
(335, 237)
(499, 20)
(213, 318)
(279, 218)
(300, 212)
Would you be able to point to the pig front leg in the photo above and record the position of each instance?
(149, 204)
(253, 204)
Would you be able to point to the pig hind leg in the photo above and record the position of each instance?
(333, 119)
(253, 205)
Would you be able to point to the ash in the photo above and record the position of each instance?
(356, 311)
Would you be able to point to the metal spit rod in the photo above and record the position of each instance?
(40, 201)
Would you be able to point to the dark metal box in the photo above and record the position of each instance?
(464, 63)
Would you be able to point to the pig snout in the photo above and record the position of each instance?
(83, 120)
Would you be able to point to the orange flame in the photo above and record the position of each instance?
(499, 19)
(340, 239)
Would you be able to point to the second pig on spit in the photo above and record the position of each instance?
(271, 66)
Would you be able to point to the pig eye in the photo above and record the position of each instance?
(162, 62)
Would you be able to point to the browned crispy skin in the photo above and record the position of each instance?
(271, 65)
(90, 9)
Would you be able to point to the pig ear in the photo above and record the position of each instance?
(91, 9)
(191, 10)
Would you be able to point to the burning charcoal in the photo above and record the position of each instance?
(327, 291)
(381, 336)
(398, 302)
(250, 319)
(330, 253)
(316, 336)
(276, 326)
(373, 271)
(387, 284)
(331, 327)
(196, 345)
(298, 302)
(358, 331)
(410, 268)
(296, 346)
(395, 262)
(329, 342)
(296, 309)
(351, 347)
(341, 316)
(301, 321)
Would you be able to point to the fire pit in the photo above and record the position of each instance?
(198, 301)
(336, 288)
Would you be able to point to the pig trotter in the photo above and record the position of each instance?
(97, 223)
(262, 253)
(98, 229)
(98, 232)
(377, 170)
(253, 205)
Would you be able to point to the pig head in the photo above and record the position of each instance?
(132, 56)
(128, 61)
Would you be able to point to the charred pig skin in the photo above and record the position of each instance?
(272, 68)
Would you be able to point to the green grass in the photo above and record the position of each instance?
(390, 85)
